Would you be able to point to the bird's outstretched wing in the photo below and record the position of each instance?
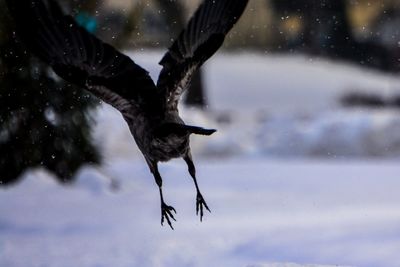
(78, 56)
(202, 37)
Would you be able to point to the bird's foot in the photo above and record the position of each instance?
(166, 214)
(200, 205)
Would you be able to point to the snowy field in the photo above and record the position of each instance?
(263, 211)
(292, 179)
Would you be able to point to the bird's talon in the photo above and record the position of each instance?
(166, 214)
(200, 205)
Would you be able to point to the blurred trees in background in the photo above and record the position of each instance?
(43, 121)
(360, 31)
(328, 29)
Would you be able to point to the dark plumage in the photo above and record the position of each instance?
(150, 110)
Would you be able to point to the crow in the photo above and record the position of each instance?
(149, 109)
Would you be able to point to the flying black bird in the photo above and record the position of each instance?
(150, 110)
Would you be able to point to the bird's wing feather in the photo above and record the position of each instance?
(202, 37)
(78, 56)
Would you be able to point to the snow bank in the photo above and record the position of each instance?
(331, 134)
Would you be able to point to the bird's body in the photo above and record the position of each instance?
(153, 144)
(150, 110)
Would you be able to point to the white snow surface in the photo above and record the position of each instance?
(263, 212)
(292, 180)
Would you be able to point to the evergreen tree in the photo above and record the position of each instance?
(43, 121)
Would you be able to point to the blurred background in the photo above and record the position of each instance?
(331, 63)
(304, 168)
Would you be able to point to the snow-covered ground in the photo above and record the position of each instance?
(263, 211)
(292, 180)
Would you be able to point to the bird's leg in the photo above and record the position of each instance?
(166, 211)
(200, 202)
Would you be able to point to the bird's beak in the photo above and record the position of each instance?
(182, 129)
(201, 131)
